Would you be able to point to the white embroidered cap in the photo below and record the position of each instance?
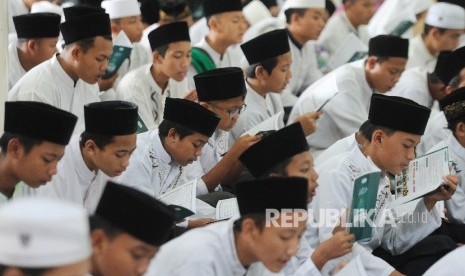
(42, 233)
(446, 16)
(121, 8)
(255, 11)
(304, 4)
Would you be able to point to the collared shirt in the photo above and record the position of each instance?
(212, 153)
(413, 85)
(15, 69)
(451, 264)
(304, 70)
(258, 109)
(215, 248)
(336, 193)
(49, 83)
(455, 205)
(231, 58)
(419, 56)
(345, 113)
(435, 132)
(140, 88)
(74, 181)
(336, 30)
(151, 169)
(342, 145)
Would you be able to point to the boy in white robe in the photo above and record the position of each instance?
(127, 230)
(37, 38)
(34, 140)
(150, 85)
(101, 152)
(230, 247)
(406, 243)
(44, 237)
(69, 79)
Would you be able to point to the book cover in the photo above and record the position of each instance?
(122, 48)
(363, 203)
(402, 27)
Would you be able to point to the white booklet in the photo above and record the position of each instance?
(226, 208)
(424, 176)
(275, 122)
(352, 49)
(354, 267)
(183, 195)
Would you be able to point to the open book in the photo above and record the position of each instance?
(352, 49)
(402, 27)
(275, 122)
(363, 202)
(182, 199)
(226, 208)
(423, 177)
(122, 48)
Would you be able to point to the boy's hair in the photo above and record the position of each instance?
(87, 43)
(433, 78)
(455, 81)
(367, 129)
(268, 65)
(116, 21)
(166, 125)
(259, 220)
(289, 12)
(452, 124)
(110, 230)
(427, 28)
(279, 169)
(100, 140)
(161, 50)
(379, 59)
(27, 142)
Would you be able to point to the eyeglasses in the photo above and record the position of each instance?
(233, 112)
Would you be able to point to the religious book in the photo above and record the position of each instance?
(352, 49)
(183, 196)
(275, 122)
(227, 208)
(402, 27)
(423, 177)
(122, 48)
(354, 267)
(141, 127)
(361, 212)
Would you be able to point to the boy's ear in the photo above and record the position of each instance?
(14, 148)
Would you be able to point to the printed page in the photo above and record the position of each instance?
(424, 176)
(227, 208)
(352, 49)
(273, 123)
(183, 195)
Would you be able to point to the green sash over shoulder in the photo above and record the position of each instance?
(201, 60)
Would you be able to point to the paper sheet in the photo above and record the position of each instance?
(226, 208)
(273, 123)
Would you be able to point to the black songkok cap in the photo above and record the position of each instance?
(449, 64)
(453, 104)
(191, 115)
(80, 25)
(136, 213)
(388, 46)
(37, 25)
(211, 7)
(274, 148)
(277, 193)
(220, 84)
(266, 46)
(168, 33)
(398, 113)
(39, 121)
(111, 118)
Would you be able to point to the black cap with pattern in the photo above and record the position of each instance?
(220, 84)
(37, 25)
(273, 193)
(388, 46)
(136, 213)
(266, 46)
(398, 113)
(453, 104)
(40, 121)
(274, 148)
(191, 115)
(111, 118)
